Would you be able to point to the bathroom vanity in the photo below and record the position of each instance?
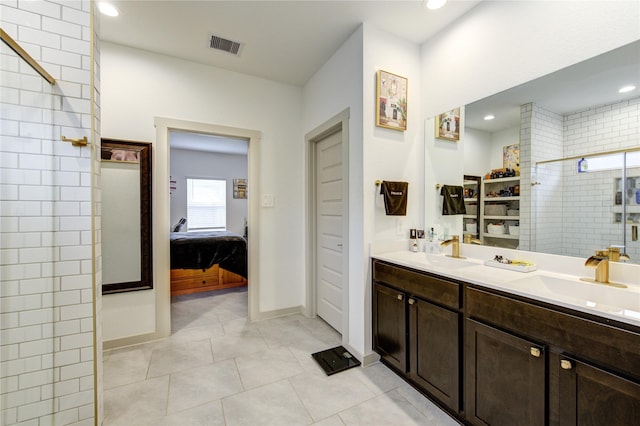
(494, 347)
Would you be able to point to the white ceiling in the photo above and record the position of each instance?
(285, 41)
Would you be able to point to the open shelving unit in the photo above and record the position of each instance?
(472, 198)
(504, 194)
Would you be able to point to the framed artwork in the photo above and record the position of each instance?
(240, 188)
(511, 157)
(391, 101)
(448, 125)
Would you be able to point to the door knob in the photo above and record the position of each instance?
(565, 364)
(412, 301)
(400, 297)
(535, 352)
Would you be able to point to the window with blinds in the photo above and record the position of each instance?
(206, 204)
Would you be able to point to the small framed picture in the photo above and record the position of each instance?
(240, 188)
(511, 157)
(448, 125)
(391, 101)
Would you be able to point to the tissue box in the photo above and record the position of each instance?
(495, 210)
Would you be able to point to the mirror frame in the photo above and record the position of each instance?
(146, 246)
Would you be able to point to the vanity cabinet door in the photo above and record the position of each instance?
(389, 325)
(434, 356)
(591, 396)
(504, 379)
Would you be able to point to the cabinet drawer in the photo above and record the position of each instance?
(609, 346)
(419, 284)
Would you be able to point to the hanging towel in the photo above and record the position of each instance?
(453, 202)
(395, 197)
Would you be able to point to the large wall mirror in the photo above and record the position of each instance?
(563, 121)
(126, 216)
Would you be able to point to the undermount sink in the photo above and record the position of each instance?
(447, 262)
(435, 261)
(590, 295)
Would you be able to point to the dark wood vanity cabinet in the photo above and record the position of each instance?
(389, 326)
(528, 363)
(505, 378)
(434, 350)
(416, 329)
(589, 395)
(493, 358)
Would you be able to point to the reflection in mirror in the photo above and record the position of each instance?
(566, 116)
(126, 216)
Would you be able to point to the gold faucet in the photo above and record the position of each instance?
(454, 242)
(468, 239)
(601, 262)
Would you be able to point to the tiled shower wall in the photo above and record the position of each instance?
(588, 216)
(47, 234)
(573, 211)
(545, 188)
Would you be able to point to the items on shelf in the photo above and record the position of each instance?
(501, 173)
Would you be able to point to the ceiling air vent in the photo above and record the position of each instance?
(225, 45)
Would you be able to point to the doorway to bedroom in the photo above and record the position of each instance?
(209, 223)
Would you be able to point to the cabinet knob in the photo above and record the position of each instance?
(412, 301)
(565, 364)
(535, 352)
(400, 296)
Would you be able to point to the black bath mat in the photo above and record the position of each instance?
(335, 360)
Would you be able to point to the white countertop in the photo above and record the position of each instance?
(556, 281)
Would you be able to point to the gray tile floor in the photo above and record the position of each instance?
(219, 369)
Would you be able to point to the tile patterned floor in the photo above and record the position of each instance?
(219, 369)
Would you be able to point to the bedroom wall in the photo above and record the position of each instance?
(139, 86)
(198, 164)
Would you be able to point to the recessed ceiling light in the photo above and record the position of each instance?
(489, 117)
(626, 89)
(434, 4)
(108, 9)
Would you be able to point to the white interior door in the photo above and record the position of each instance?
(329, 238)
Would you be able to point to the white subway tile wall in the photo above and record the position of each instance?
(589, 197)
(47, 257)
(574, 211)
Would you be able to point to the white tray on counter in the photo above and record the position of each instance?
(510, 266)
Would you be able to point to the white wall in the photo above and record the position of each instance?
(501, 44)
(139, 86)
(477, 158)
(197, 164)
(388, 155)
(499, 140)
(335, 87)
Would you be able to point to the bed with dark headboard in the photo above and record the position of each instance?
(208, 260)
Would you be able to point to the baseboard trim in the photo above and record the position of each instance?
(280, 313)
(131, 341)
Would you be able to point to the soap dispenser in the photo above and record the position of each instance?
(414, 240)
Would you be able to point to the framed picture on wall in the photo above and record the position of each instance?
(240, 188)
(391, 101)
(448, 125)
(511, 157)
